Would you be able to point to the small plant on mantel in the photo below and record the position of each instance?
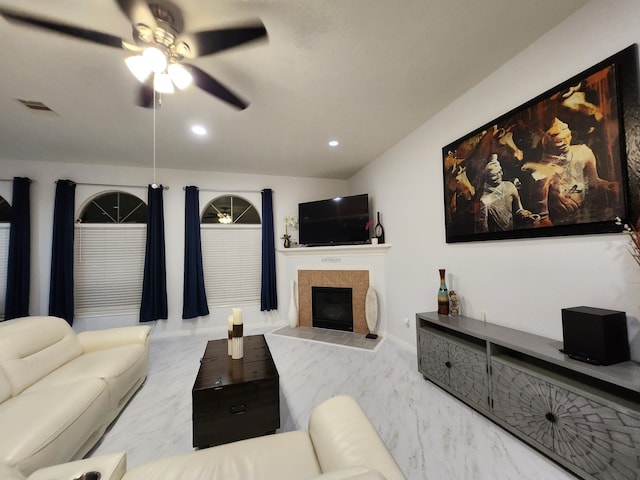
(634, 238)
(368, 225)
(289, 221)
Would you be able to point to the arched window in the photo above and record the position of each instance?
(231, 209)
(5, 227)
(110, 242)
(114, 207)
(231, 251)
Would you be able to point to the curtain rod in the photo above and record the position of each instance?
(11, 180)
(224, 191)
(111, 185)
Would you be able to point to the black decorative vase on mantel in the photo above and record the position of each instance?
(287, 242)
(379, 231)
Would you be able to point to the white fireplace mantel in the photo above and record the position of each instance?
(340, 257)
(367, 249)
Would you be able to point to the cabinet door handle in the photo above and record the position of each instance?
(238, 409)
(447, 364)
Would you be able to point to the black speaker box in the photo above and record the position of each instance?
(595, 335)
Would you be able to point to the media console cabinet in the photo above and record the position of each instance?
(584, 417)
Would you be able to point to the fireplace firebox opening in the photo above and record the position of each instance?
(332, 307)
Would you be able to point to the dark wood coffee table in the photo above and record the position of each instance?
(235, 399)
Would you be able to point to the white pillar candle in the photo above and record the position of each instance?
(237, 349)
(237, 316)
(230, 335)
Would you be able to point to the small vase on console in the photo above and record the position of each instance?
(443, 295)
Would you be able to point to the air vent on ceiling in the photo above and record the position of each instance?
(35, 106)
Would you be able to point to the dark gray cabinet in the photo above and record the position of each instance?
(455, 365)
(585, 417)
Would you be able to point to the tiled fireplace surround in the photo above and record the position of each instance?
(357, 280)
(354, 266)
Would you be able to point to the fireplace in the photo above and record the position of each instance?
(332, 307)
(358, 267)
(355, 280)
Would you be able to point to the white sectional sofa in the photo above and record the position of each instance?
(340, 444)
(59, 390)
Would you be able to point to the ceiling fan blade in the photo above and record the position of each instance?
(62, 28)
(213, 41)
(215, 88)
(138, 12)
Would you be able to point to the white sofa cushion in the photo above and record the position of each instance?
(45, 427)
(33, 347)
(93, 340)
(120, 367)
(282, 456)
(5, 387)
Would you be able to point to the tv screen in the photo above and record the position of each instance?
(335, 221)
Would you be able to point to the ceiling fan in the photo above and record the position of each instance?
(159, 47)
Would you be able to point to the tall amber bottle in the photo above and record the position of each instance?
(443, 295)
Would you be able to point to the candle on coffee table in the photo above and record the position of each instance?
(237, 347)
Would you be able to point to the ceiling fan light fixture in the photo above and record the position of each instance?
(180, 76)
(139, 66)
(224, 218)
(162, 83)
(156, 59)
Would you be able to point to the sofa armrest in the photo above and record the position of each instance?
(287, 455)
(111, 467)
(94, 340)
(343, 437)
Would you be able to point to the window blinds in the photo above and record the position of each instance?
(109, 266)
(231, 260)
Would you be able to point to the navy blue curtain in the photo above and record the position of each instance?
(61, 286)
(154, 285)
(19, 266)
(194, 297)
(268, 291)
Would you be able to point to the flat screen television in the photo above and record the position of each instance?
(335, 221)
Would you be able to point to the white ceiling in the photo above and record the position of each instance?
(366, 72)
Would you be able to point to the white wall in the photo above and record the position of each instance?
(519, 283)
(288, 192)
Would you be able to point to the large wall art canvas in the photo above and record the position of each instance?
(556, 165)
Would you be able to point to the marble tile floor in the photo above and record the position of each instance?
(430, 434)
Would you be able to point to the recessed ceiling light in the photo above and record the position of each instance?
(199, 130)
(334, 143)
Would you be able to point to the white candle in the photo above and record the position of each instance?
(237, 350)
(237, 316)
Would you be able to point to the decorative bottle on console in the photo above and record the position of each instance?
(443, 295)
(379, 230)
